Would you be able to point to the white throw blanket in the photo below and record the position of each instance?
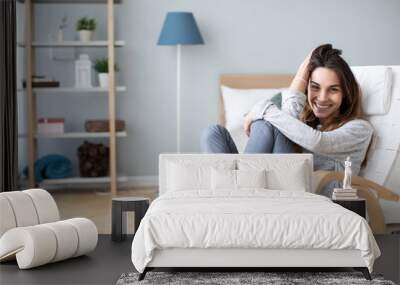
(250, 219)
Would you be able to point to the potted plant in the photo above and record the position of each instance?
(101, 66)
(85, 26)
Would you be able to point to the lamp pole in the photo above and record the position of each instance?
(179, 29)
(178, 99)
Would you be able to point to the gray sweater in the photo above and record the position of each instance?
(330, 148)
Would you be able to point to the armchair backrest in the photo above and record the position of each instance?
(26, 208)
(384, 149)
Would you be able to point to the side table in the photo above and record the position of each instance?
(358, 206)
(139, 205)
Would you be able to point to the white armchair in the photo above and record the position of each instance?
(379, 181)
(31, 231)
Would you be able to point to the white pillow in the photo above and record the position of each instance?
(237, 102)
(281, 175)
(193, 175)
(223, 179)
(376, 88)
(237, 179)
(251, 178)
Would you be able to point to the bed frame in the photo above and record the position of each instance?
(249, 259)
(260, 259)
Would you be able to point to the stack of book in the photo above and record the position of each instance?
(344, 194)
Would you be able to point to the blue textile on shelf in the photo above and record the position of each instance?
(52, 166)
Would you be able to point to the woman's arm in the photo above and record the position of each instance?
(293, 99)
(293, 102)
(349, 138)
(300, 81)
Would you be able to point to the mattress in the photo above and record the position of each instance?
(250, 219)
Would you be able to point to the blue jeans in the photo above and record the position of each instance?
(264, 138)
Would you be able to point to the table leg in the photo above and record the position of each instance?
(116, 232)
(140, 211)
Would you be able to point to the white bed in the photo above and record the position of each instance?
(194, 223)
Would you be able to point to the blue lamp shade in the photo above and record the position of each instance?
(180, 28)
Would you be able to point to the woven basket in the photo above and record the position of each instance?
(94, 126)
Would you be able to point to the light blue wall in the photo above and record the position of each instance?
(255, 36)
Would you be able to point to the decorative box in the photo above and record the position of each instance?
(50, 126)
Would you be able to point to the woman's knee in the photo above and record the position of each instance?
(261, 125)
(212, 131)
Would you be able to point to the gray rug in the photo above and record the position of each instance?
(229, 278)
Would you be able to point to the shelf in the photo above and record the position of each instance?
(77, 135)
(81, 180)
(72, 44)
(74, 135)
(72, 1)
(73, 90)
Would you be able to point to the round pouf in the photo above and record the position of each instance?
(139, 205)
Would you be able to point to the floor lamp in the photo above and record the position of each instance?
(179, 29)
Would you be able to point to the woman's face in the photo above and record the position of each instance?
(324, 93)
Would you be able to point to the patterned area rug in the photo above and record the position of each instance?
(229, 278)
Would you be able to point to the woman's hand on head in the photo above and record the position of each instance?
(300, 81)
(247, 124)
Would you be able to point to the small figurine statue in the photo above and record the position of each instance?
(347, 174)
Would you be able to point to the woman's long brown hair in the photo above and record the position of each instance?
(351, 107)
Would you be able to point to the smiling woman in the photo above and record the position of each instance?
(321, 114)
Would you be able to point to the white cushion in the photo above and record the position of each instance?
(223, 179)
(23, 208)
(189, 175)
(46, 207)
(33, 246)
(376, 87)
(282, 174)
(237, 102)
(87, 233)
(238, 179)
(239, 137)
(251, 178)
(7, 220)
(67, 239)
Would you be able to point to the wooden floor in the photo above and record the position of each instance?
(94, 205)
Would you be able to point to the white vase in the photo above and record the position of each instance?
(103, 80)
(85, 35)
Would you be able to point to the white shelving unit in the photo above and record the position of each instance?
(32, 136)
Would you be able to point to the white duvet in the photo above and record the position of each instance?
(250, 219)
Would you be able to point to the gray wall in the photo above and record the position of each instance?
(255, 36)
